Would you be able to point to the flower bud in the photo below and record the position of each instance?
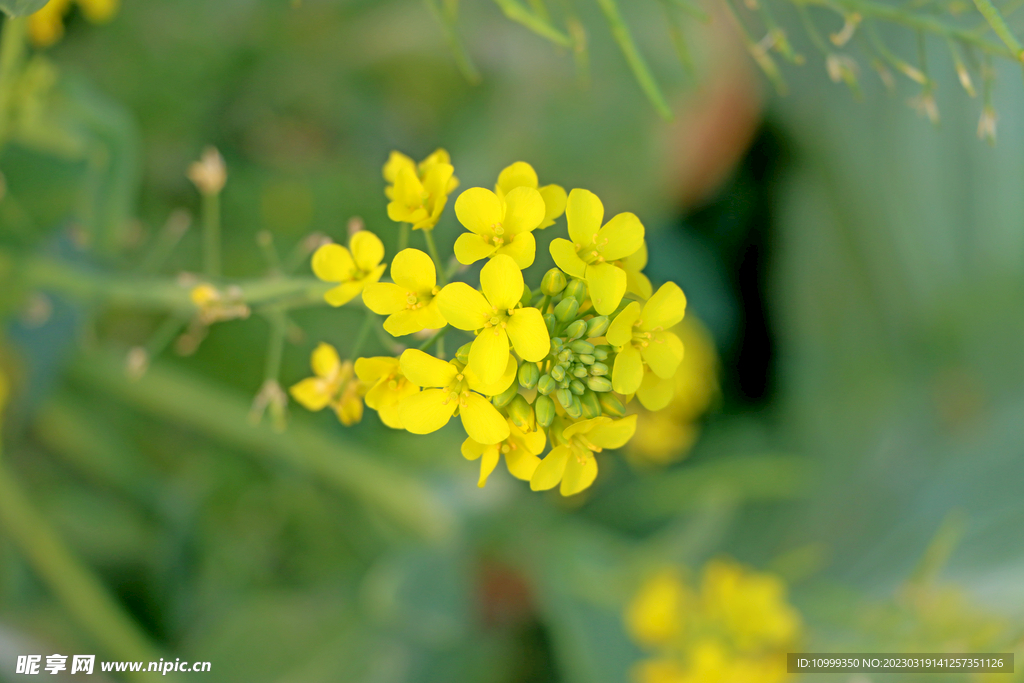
(546, 384)
(503, 399)
(565, 356)
(521, 412)
(577, 387)
(599, 369)
(577, 289)
(564, 397)
(597, 326)
(558, 373)
(576, 329)
(553, 282)
(600, 384)
(579, 370)
(612, 405)
(462, 355)
(591, 405)
(575, 409)
(581, 346)
(550, 321)
(602, 352)
(544, 410)
(566, 309)
(529, 374)
(556, 345)
(586, 359)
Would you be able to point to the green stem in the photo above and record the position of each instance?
(437, 336)
(364, 331)
(12, 52)
(164, 334)
(451, 35)
(428, 235)
(211, 234)
(275, 345)
(82, 594)
(636, 62)
(536, 23)
(403, 236)
(998, 24)
(544, 303)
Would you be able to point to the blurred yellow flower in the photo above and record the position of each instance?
(498, 225)
(387, 387)
(353, 268)
(633, 265)
(498, 316)
(450, 388)
(594, 249)
(657, 613)
(46, 26)
(520, 449)
(334, 384)
(411, 301)
(419, 194)
(666, 435)
(573, 463)
(640, 337)
(521, 174)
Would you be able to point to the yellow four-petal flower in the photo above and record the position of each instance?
(333, 384)
(573, 463)
(353, 268)
(498, 225)
(418, 194)
(410, 302)
(387, 387)
(521, 174)
(520, 449)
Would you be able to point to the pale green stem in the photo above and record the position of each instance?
(536, 23)
(403, 236)
(636, 62)
(364, 331)
(12, 52)
(436, 337)
(428, 235)
(211, 234)
(451, 35)
(998, 24)
(275, 345)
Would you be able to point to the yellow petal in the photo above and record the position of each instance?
(580, 473)
(554, 203)
(665, 309)
(607, 284)
(663, 354)
(414, 270)
(438, 156)
(391, 414)
(550, 470)
(528, 334)
(613, 434)
(333, 263)
(622, 236)
(395, 162)
(470, 248)
(584, 426)
(371, 369)
(411, 321)
(519, 174)
(502, 282)
(655, 393)
(620, 332)
(349, 411)
(325, 361)
(427, 411)
(637, 260)
(478, 209)
(400, 213)
(367, 250)
(638, 283)
(311, 393)
(488, 356)
(524, 210)
(424, 370)
(471, 450)
(385, 298)
(496, 387)
(521, 464)
(464, 307)
(628, 371)
(408, 190)
(343, 293)
(436, 179)
(522, 249)
(482, 421)
(487, 465)
(584, 213)
(534, 442)
(566, 258)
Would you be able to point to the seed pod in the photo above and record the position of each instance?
(558, 373)
(591, 405)
(553, 282)
(598, 369)
(577, 387)
(602, 351)
(586, 359)
(549, 322)
(521, 412)
(597, 326)
(599, 384)
(544, 410)
(581, 346)
(527, 294)
(566, 310)
(546, 384)
(462, 355)
(503, 399)
(577, 289)
(575, 409)
(579, 370)
(529, 374)
(612, 405)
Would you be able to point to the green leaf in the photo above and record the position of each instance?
(21, 8)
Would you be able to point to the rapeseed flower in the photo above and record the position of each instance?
(450, 388)
(521, 174)
(641, 338)
(411, 301)
(353, 268)
(520, 449)
(387, 387)
(499, 224)
(46, 26)
(594, 249)
(498, 317)
(636, 282)
(333, 384)
(572, 464)
(419, 193)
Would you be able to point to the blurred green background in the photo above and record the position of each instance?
(861, 272)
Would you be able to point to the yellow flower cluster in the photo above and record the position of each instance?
(735, 627)
(552, 365)
(46, 26)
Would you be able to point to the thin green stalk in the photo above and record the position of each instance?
(675, 31)
(166, 240)
(164, 334)
(462, 59)
(436, 337)
(756, 50)
(211, 234)
(81, 593)
(521, 15)
(403, 236)
(442, 278)
(364, 331)
(908, 70)
(265, 241)
(544, 303)
(636, 62)
(998, 23)
(275, 345)
(12, 54)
